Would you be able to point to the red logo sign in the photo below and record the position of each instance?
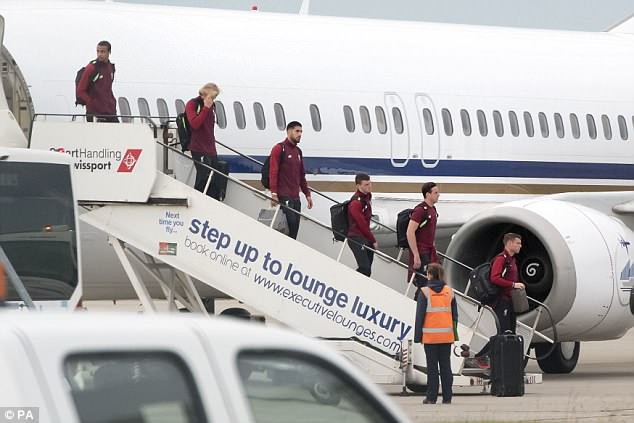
(130, 158)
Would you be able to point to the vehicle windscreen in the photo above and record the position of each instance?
(37, 228)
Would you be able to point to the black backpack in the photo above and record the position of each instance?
(264, 172)
(402, 221)
(93, 78)
(184, 130)
(481, 287)
(339, 220)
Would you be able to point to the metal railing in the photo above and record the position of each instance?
(482, 309)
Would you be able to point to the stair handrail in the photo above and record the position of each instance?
(386, 257)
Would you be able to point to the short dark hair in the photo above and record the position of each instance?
(510, 237)
(436, 271)
(293, 124)
(360, 177)
(105, 43)
(427, 187)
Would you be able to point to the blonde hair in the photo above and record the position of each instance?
(209, 87)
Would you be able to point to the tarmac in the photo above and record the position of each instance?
(600, 389)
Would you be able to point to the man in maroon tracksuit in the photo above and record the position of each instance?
(360, 238)
(421, 235)
(287, 176)
(201, 119)
(95, 86)
(505, 274)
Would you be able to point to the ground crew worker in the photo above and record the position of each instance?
(421, 234)
(436, 322)
(360, 239)
(3, 285)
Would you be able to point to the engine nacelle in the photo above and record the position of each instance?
(574, 259)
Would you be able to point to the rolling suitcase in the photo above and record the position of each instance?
(219, 182)
(507, 365)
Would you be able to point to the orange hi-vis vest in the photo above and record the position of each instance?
(3, 284)
(438, 324)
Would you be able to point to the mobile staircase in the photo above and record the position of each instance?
(177, 235)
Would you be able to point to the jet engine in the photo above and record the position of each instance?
(574, 259)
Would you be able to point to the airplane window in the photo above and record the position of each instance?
(349, 118)
(446, 122)
(528, 123)
(398, 120)
(315, 117)
(607, 128)
(543, 124)
(180, 106)
(515, 126)
(280, 119)
(559, 125)
(429, 121)
(366, 125)
(238, 110)
(466, 122)
(497, 123)
(260, 121)
(221, 116)
(574, 124)
(482, 123)
(622, 127)
(144, 107)
(161, 105)
(381, 124)
(592, 128)
(124, 109)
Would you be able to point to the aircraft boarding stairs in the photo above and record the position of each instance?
(178, 235)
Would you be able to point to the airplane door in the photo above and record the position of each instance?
(399, 133)
(430, 140)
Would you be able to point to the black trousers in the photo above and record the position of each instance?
(364, 256)
(506, 315)
(420, 281)
(292, 218)
(503, 309)
(202, 173)
(439, 355)
(112, 119)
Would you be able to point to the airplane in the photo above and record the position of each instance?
(524, 130)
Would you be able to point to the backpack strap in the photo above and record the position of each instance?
(95, 75)
(425, 220)
(507, 262)
(281, 144)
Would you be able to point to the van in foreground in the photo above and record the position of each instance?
(91, 367)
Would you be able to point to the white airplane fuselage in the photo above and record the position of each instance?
(299, 61)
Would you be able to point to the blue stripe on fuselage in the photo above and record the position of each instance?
(457, 168)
